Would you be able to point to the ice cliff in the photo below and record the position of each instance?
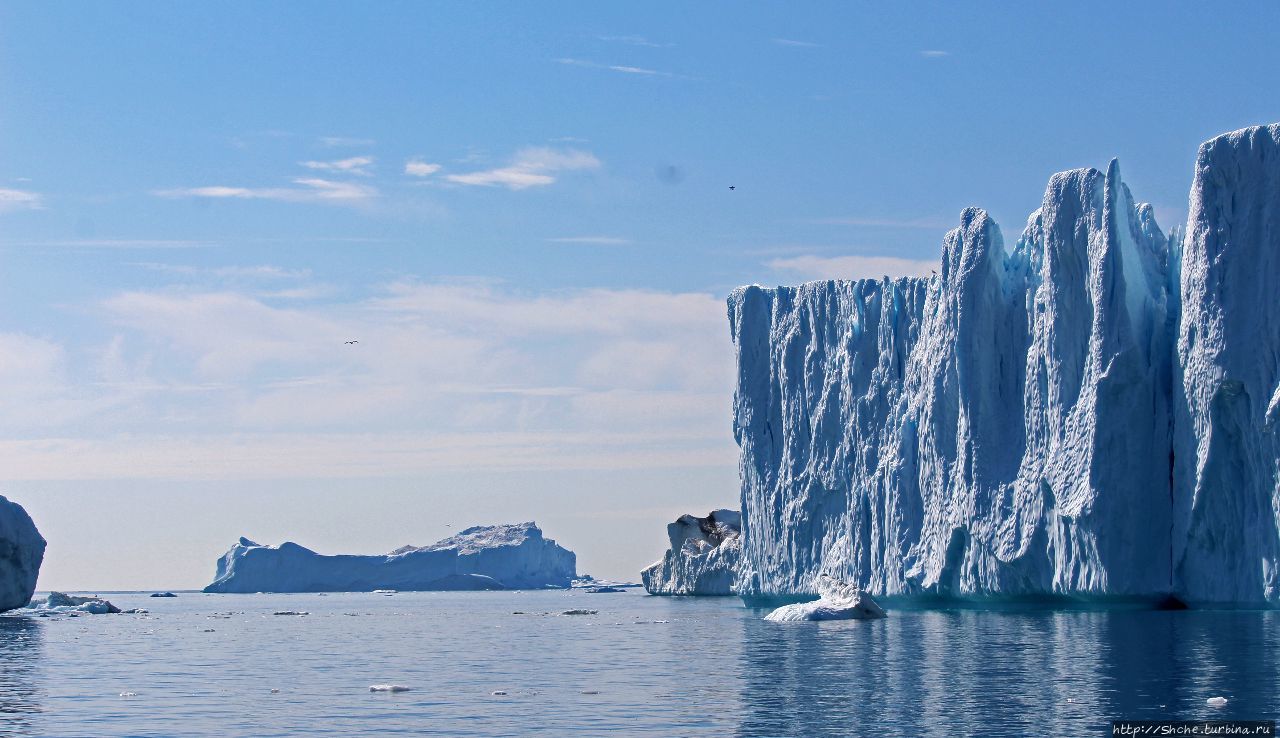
(484, 557)
(21, 553)
(1088, 414)
(702, 558)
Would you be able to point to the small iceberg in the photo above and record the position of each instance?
(290, 612)
(603, 590)
(838, 601)
(1216, 702)
(59, 602)
(384, 591)
(163, 594)
(580, 612)
(388, 688)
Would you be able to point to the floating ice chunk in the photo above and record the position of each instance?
(499, 693)
(128, 694)
(580, 612)
(603, 590)
(591, 691)
(71, 605)
(290, 612)
(163, 594)
(839, 601)
(384, 591)
(388, 688)
(275, 691)
(1216, 702)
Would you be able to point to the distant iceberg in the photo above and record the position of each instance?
(21, 553)
(702, 558)
(1090, 414)
(480, 558)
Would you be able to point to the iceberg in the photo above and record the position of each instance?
(479, 558)
(839, 601)
(1088, 415)
(702, 558)
(21, 553)
(65, 603)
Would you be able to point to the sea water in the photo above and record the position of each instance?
(511, 664)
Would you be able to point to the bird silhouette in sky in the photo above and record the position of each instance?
(732, 187)
(350, 342)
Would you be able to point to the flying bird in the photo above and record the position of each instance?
(732, 187)
(350, 342)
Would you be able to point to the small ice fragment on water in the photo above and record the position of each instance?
(275, 691)
(289, 612)
(1070, 700)
(388, 688)
(580, 612)
(209, 630)
(128, 694)
(591, 691)
(1216, 702)
(499, 693)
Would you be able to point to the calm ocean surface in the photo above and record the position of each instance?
(206, 664)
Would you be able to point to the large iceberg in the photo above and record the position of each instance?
(1088, 415)
(484, 557)
(702, 558)
(21, 553)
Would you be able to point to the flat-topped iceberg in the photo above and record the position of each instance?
(484, 557)
(702, 558)
(21, 553)
(1091, 414)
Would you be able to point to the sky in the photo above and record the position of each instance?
(523, 214)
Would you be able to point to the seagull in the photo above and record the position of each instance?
(350, 342)
(732, 187)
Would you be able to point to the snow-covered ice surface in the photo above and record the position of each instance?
(21, 553)
(57, 602)
(480, 558)
(702, 556)
(1089, 414)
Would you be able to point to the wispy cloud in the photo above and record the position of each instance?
(351, 165)
(634, 40)
(11, 200)
(532, 167)
(878, 222)
(811, 267)
(256, 272)
(593, 240)
(112, 243)
(309, 190)
(334, 142)
(795, 43)
(623, 68)
(419, 168)
(934, 53)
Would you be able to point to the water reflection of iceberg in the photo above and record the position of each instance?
(21, 651)
(943, 673)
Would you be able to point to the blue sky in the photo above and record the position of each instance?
(522, 213)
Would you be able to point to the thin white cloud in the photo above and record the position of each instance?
(11, 200)
(351, 165)
(113, 243)
(310, 190)
(532, 167)
(634, 40)
(934, 53)
(593, 240)
(623, 68)
(419, 168)
(927, 223)
(853, 267)
(257, 272)
(793, 42)
(333, 142)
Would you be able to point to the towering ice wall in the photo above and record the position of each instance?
(1226, 447)
(21, 553)
(1054, 419)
